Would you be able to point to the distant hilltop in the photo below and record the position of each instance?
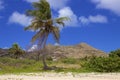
(76, 51)
(3, 52)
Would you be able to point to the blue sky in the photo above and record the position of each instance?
(95, 22)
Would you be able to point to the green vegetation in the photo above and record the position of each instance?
(102, 64)
(88, 64)
(16, 51)
(115, 53)
(45, 25)
(10, 65)
(69, 61)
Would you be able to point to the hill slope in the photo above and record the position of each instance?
(3, 52)
(76, 51)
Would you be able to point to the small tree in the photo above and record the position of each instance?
(115, 53)
(16, 51)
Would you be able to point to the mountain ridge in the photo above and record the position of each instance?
(75, 51)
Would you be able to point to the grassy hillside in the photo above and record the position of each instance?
(10, 65)
(93, 64)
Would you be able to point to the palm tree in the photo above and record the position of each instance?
(44, 24)
(16, 50)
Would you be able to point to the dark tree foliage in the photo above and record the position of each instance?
(16, 51)
(103, 64)
(115, 53)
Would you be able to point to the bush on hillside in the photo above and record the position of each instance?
(115, 53)
(69, 61)
(102, 64)
(16, 51)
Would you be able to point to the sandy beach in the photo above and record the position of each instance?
(62, 76)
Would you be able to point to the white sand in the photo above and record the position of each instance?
(62, 76)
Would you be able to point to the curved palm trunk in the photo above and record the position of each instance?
(44, 61)
(45, 67)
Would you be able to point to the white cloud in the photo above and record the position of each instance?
(21, 19)
(67, 12)
(32, 1)
(56, 44)
(6, 48)
(1, 5)
(112, 5)
(55, 4)
(34, 47)
(84, 20)
(93, 19)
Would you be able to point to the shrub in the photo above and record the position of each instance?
(16, 51)
(69, 61)
(101, 64)
(49, 58)
(115, 53)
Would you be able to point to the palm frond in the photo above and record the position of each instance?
(42, 10)
(61, 20)
(56, 33)
(38, 35)
(36, 25)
